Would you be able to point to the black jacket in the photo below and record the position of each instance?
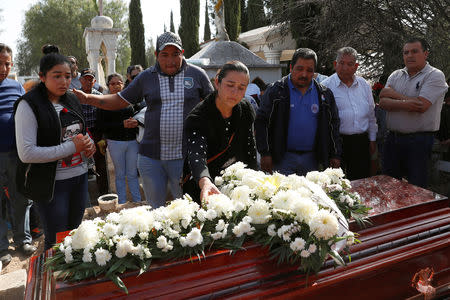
(206, 119)
(37, 180)
(272, 121)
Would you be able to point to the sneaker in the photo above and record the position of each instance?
(28, 249)
(5, 257)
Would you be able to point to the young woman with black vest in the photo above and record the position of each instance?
(53, 146)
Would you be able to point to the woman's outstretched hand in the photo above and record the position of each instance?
(207, 188)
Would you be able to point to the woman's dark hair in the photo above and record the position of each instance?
(134, 67)
(50, 60)
(49, 48)
(111, 76)
(230, 66)
(260, 83)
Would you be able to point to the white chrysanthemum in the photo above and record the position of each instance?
(284, 232)
(138, 251)
(194, 237)
(110, 230)
(298, 244)
(220, 225)
(271, 230)
(143, 235)
(293, 182)
(335, 175)
(201, 215)
(102, 256)
(68, 258)
(221, 204)
(346, 183)
(87, 255)
(231, 170)
(216, 235)
(179, 209)
(129, 231)
(241, 194)
(324, 225)
(304, 254)
(123, 247)
(259, 211)
(304, 192)
(141, 218)
(334, 188)
(211, 214)
(163, 244)
(253, 181)
(147, 253)
(268, 188)
(218, 181)
(186, 221)
(86, 235)
(312, 248)
(243, 228)
(304, 209)
(319, 178)
(68, 241)
(113, 217)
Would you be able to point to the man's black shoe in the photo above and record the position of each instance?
(5, 257)
(27, 249)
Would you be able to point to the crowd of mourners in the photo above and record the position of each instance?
(169, 126)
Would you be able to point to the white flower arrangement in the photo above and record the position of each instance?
(292, 215)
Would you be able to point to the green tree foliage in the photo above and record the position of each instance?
(137, 34)
(232, 9)
(244, 17)
(207, 28)
(150, 52)
(63, 23)
(172, 26)
(188, 30)
(378, 39)
(255, 14)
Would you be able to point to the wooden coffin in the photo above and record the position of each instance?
(407, 235)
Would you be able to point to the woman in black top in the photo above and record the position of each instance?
(120, 129)
(221, 124)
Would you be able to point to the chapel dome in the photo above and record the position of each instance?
(102, 22)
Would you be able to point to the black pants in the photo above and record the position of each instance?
(356, 157)
(100, 163)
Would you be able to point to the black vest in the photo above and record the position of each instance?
(37, 180)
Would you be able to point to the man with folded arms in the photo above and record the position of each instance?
(413, 99)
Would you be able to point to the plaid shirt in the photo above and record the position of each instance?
(90, 112)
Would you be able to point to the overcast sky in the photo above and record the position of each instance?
(155, 14)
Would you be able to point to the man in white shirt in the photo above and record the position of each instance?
(413, 99)
(358, 126)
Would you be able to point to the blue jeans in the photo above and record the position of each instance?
(408, 155)
(156, 175)
(20, 206)
(293, 163)
(66, 209)
(124, 157)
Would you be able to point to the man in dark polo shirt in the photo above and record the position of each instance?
(171, 88)
(413, 99)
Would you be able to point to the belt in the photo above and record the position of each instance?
(397, 133)
(300, 152)
(355, 135)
